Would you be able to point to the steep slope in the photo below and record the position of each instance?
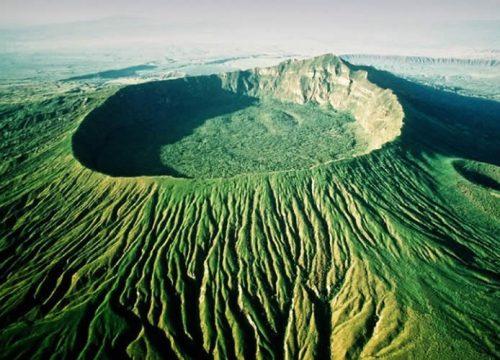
(387, 255)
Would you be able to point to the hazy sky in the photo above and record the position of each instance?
(432, 27)
(28, 12)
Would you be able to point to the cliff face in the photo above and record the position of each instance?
(327, 81)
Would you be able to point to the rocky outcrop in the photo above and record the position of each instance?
(328, 81)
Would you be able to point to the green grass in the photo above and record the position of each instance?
(265, 137)
(390, 254)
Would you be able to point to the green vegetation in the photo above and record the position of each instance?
(238, 123)
(267, 136)
(389, 254)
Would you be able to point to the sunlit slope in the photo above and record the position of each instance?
(391, 254)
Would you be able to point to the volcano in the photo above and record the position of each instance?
(314, 209)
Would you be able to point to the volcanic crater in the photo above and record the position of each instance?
(296, 115)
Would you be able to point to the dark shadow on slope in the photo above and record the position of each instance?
(442, 121)
(124, 136)
(113, 74)
(476, 177)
